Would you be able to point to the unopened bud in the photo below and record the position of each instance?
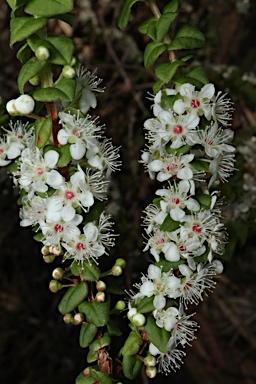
(35, 80)
(24, 104)
(101, 286)
(56, 250)
(138, 319)
(57, 273)
(131, 313)
(68, 72)
(49, 258)
(42, 53)
(116, 270)
(86, 372)
(68, 318)
(151, 372)
(73, 61)
(54, 286)
(218, 266)
(45, 250)
(78, 318)
(100, 297)
(10, 107)
(121, 262)
(120, 305)
(150, 361)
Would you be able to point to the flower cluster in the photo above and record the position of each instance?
(56, 199)
(189, 149)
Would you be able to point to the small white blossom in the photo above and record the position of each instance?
(87, 83)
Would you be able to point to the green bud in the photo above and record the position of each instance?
(55, 286)
(151, 372)
(45, 250)
(120, 262)
(100, 297)
(120, 305)
(150, 361)
(68, 318)
(49, 258)
(56, 250)
(116, 270)
(42, 53)
(57, 273)
(101, 286)
(78, 318)
(73, 61)
(86, 372)
(138, 319)
(68, 72)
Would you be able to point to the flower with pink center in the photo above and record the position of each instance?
(33, 211)
(80, 132)
(195, 102)
(19, 136)
(156, 242)
(36, 171)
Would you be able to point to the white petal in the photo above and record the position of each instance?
(87, 199)
(172, 252)
(147, 288)
(207, 91)
(155, 165)
(179, 107)
(186, 89)
(91, 232)
(77, 150)
(154, 272)
(51, 158)
(62, 137)
(96, 162)
(159, 301)
(192, 204)
(54, 179)
(177, 214)
(185, 270)
(185, 173)
(153, 350)
(68, 213)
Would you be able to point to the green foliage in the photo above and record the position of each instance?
(81, 379)
(43, 130)
(131, 366)
(132, 344)
(73, 297)
(96, 313)
(125, 13)
(23, 27)
(152, 52)
(169, 225)
(158, 336)
(87, 334)
(48, 8)
(145, 305)
(186, 37)
(169, 265)
(163, 25)
(171, 7)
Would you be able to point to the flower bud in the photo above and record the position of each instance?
(24, 104)
(131, 313)
(116, 270)
(68, 318)
(42, 53)
(218, 266)
(151, 372)
(45, 250)
(68, 72)
(101, 286)
(35, 80)
(10, 107)
(49, 258)
(57, 273)
(56, 250)
(120, 305)
(120, 262)
(86, 372)
(100, 297)
(78, 318)
(138, 319)
(150, 361)
(54, 286)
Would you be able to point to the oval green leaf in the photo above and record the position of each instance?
(132, 344)
(96, 313)
(22, 27)
(131, 366)
(87, 334)
(73, 297)
(48, 8)
(152, 51)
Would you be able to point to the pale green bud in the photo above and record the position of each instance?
(42, 53)
(120, 262)
(120, 305)
(49, 258)
(138, 319)
(100, 297)
(54, 286)
(24, 104)
(68, 318)
(116, 270)
(78, 318)
(150, 361)
(11, 109)
(57, 273)
(45, 250)
(151, 372)
(101, 286)
(68, 72)
(131, 313)
(56, 250)
(86, 372)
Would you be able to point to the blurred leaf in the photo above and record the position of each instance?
(125, 13)
(96, 313)
(22, 27)
(145, 305)
(166, 71)
(102, 342)
(169, 225)
(43, 129)
(168, 265)
(186, 37)
(48, 8)
(81, 379)
(171, 7)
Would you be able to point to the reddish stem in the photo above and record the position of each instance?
(52, 111)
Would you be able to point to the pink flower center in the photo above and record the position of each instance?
(20, 137)
(1, 150)
(69, 195)
(178, 129)
(195, 103)
(40, 171)
(196, 228)
(182, 248)
(208, 141)
(187, 285)
(171, 167)
(176, 200)
(58, 228)
(160, 241)
(80, 246)
(76, 132)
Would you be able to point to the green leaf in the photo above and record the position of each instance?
(73, 297)
(198, 73)
(87, 334)
(157, 86)
(131, 366)
(166, 71)
(183, 80)
(100, 377)
(67, 86)
(12, 167)
(177, 151)
(11, 3)
(132, 344)
(97, 344)
(64, 50)
(168, 265)
(30, 69)
(22, 27)
(81, 379)
(171, 7)
(200, 165)
(158, 336)
(91, 271)
(48, 8)
(163, 25)
(92, 356)
(39, 237)
(94, 212)
(50, 94)
(149, 27)
(169, 225)
(204, 200)
(65, 156)
(146, 305)
(125, 13)
(43, 129)
(23, 53)
(186, 37)
(96, 313)
(68, 18)
(152, 51)
(113, 330)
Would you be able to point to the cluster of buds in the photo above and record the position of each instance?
(189, 149)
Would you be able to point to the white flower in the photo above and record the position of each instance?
(222, 109)
(156, 242)
(222, 167)
(18, 136)
(154, 217)
(195, 102)
(105, 158)
(81, 133)
(33, 211)
(4, 148)
(160, 105)
(160, 284)
(36, 171)
(86, 245)
(87, 83)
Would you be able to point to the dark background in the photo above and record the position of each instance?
(35, 345)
